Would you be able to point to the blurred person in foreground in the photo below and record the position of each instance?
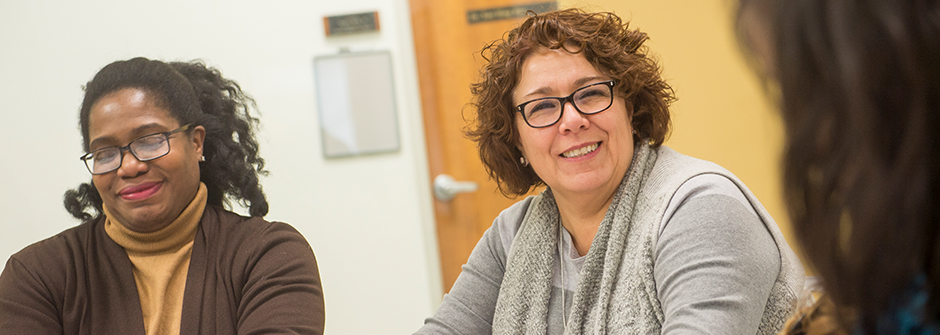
(629, 236)
(858, 86)
(168, 145)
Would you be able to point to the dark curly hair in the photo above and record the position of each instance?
(859, 90)
(606, 42)
(192, 93)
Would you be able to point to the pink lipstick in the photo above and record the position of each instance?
(139, 192)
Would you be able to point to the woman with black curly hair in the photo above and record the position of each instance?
(168, 146)
(629, 237)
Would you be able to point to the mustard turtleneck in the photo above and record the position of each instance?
(161, 263)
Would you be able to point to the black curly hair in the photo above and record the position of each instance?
(192, 93)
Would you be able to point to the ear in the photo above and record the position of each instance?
(520, 148)
(198, 138)
(518, 122)
(628, 105)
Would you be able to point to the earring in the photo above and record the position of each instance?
(202, 158)
(523, 161)
(634, 132)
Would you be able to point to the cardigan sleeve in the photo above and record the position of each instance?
(715, 266)
(26, 305)
(469, 306)
(471, 303)
(282, 293)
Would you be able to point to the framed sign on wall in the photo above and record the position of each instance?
(356, 103)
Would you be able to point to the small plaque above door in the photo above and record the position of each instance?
(509, 12)
(351, 23)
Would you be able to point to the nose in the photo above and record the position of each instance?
(131, 166)
(572, 120)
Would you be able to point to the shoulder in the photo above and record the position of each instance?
(669, 159)
(507, 224)
(497, 239)
(229, 237)
(677, 180)
(222, 224)
(250, 245)
(707, 187)
(672, 169)
(52, 261)
(71, 241)
(669, 172)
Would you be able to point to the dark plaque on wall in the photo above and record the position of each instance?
(510, 12)
(351, 23)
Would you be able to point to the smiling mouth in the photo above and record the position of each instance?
(581, 151)
(140, 191)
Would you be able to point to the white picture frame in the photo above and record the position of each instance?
(356, 103)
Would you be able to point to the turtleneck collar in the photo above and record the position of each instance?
(178, 233)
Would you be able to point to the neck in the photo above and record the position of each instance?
(581, 215)
(177, 233)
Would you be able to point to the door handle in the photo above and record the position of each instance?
(446, 188)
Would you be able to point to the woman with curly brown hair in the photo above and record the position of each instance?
(859, 93)
(629, 237)
(168, 145)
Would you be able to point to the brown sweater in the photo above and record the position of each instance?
(246, 276)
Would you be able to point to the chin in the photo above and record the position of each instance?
(146, 217)
(581, 186)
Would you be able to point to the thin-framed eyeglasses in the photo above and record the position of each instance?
(587, 100)
(145, 148)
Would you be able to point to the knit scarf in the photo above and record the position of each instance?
(522, 305)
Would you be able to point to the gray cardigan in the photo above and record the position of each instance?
(715, 266)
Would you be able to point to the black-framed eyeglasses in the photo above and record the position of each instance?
(145, 148)
(590, 99)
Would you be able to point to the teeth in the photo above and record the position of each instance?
(580, 152)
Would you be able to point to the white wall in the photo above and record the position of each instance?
(368, 219)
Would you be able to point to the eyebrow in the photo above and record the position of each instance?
(136, 131)
(579, 83)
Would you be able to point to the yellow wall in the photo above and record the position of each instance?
(722, 114)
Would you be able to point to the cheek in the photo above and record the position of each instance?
(189, 165)
(103, 184)
(194, 170)
(186, 159)
(183, 167)
(532, 143)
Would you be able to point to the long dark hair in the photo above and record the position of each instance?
(192, 93)
(859, 85)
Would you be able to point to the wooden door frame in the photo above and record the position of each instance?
(461, 222)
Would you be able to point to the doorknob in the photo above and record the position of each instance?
(446, 188)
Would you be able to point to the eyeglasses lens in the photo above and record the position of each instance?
(144, 149)
(592, 99)
(542, 112)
